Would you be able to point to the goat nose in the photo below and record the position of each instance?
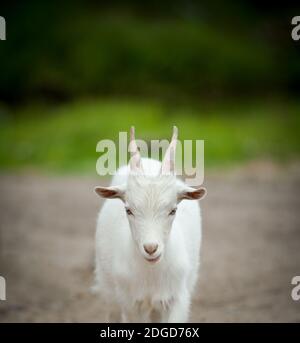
(150, 248)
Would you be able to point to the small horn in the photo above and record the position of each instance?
(135, 156)
(168, 163)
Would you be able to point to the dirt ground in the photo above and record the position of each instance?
(251, 247)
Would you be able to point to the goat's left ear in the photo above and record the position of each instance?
(112, 192)
(190, 193)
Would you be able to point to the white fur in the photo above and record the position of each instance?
(134, 289)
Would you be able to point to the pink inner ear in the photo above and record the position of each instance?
(193, 195)
(107, 193)
(197, 194)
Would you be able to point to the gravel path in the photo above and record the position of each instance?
(251, 247)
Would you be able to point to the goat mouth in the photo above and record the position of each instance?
(153, 260)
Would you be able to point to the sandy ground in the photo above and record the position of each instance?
(251, 247)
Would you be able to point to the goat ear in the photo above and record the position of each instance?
(113, 192)
(190, 193)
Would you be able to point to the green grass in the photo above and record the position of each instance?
(63, 138)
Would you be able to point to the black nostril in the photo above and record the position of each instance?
(150, 248)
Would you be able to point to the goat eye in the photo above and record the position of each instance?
(128, 211)
(172, 213)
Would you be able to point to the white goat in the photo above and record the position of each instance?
(148, 241)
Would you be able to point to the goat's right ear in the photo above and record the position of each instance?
(112, 192)
(190, 193)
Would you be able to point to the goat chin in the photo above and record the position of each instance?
(135, 286)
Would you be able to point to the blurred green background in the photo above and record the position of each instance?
(76, 72)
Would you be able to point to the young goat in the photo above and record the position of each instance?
(148, 241)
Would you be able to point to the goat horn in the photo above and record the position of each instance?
(168, 163)
(135, 156)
